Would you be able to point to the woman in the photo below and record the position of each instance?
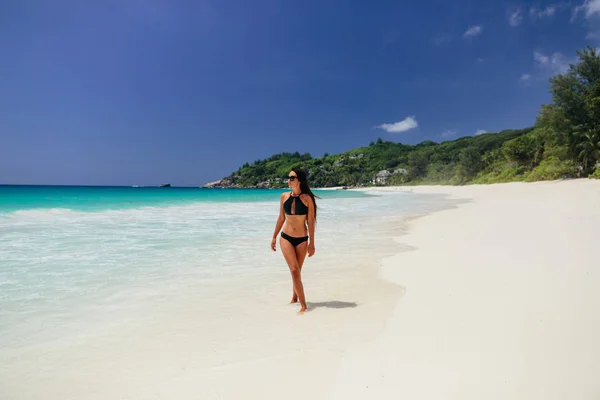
(298, 210)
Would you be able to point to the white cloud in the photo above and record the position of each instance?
(473, 31)
(540, 58)
(515, 18)
(448, 133)
(551, 65)
(591, 11)
(515, 15)
(406, 124)
(589, 7)
(480, 132)
(536, 13)
(547, 66)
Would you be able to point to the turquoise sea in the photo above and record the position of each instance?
(98, 198)
(85, 264)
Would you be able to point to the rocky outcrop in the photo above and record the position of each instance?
(228, 183)
(263, 185)
(382, 176)
(222, 183)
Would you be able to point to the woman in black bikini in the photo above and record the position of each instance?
(298, 210)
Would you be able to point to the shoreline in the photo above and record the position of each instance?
(500, 302)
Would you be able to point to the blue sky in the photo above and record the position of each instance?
(142, 92)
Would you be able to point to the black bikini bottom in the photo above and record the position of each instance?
(295, 241)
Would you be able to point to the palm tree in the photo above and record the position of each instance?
(590, 148)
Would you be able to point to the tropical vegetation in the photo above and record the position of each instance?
(563, 143)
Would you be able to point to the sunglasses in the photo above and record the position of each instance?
(291, 178)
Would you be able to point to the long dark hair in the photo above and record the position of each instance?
(304, 188)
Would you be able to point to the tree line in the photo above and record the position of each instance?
(563, 143)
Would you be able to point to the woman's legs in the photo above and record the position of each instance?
(289, 253)
(301, 251)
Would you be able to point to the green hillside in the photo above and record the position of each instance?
(564, 139)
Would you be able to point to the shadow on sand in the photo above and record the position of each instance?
(331, 304)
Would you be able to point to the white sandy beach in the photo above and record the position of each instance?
(501, 301)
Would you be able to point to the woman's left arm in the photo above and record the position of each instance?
(311, 226)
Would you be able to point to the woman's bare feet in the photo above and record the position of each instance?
(302, 309)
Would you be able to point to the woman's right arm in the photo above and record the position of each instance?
(279, 223)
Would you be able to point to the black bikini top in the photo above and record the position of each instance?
(294, 206)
